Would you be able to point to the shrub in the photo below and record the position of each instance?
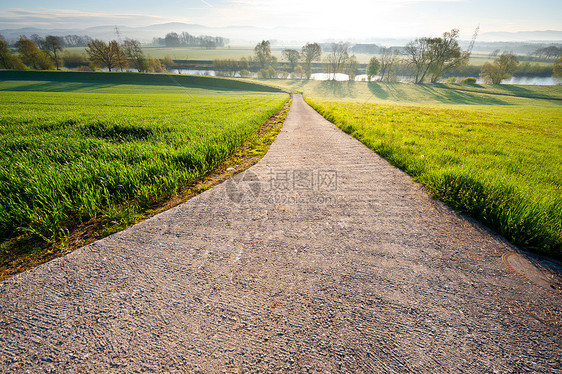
(469, 80)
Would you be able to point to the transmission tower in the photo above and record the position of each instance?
(471, 45)
(118, 34)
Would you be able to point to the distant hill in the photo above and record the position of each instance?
(522, 36)
(240, 35)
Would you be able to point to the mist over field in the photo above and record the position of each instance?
(250, 35)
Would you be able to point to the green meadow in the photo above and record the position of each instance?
(493, 152)
(102, 150)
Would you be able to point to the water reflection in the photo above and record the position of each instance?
(540, 81)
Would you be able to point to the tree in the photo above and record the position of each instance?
(373, 68)
(419, 57)
(32, 56)
(244, 63)
(446, 55)
(431, 57)
(227, 67)
(172, 40)
(121, 60)
(351, 67)
(155, 65)
(293, 56)
(336, 59)
(74, 60)
(557, 68)
(268, 73)
(168, 63)
(502, 68)
(134, 53)
(310, 52)
(298, 73)
(52, 46)
(7, 59)
(104, 54)
(263, 54)
(548, 53)
(76, 41)
(389, 59)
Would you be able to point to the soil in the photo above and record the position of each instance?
(320, 258)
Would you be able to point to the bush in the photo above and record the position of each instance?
(74, 60)
(268, 73)
(469, 80)
(282, 74)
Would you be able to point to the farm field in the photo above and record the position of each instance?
(67, 157)
(497, 158)
(194, 53)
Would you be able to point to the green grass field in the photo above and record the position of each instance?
(497, 158)
(117, 82)
(422, 94)
(66, 157)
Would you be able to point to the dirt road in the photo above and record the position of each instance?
(321, 258)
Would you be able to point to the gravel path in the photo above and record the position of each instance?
(321, 258)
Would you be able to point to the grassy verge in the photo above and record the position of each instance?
(80, 166)
(501, 165)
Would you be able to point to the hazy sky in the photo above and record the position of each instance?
(381, 18)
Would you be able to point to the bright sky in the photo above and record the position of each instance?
(349, 18)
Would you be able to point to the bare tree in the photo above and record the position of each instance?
(53, 46)
(103, 54)
(494, 54)
(548, 53)
(37, 40)
(120, 57)
(293, 56)
(337, 59)
(431, 57)
(389, 59)
(134, 53)
(310, 52)
(418, 54)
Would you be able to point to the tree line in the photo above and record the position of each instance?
(428, 59)
(267, 66)
(48, 54)
(185, 39)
